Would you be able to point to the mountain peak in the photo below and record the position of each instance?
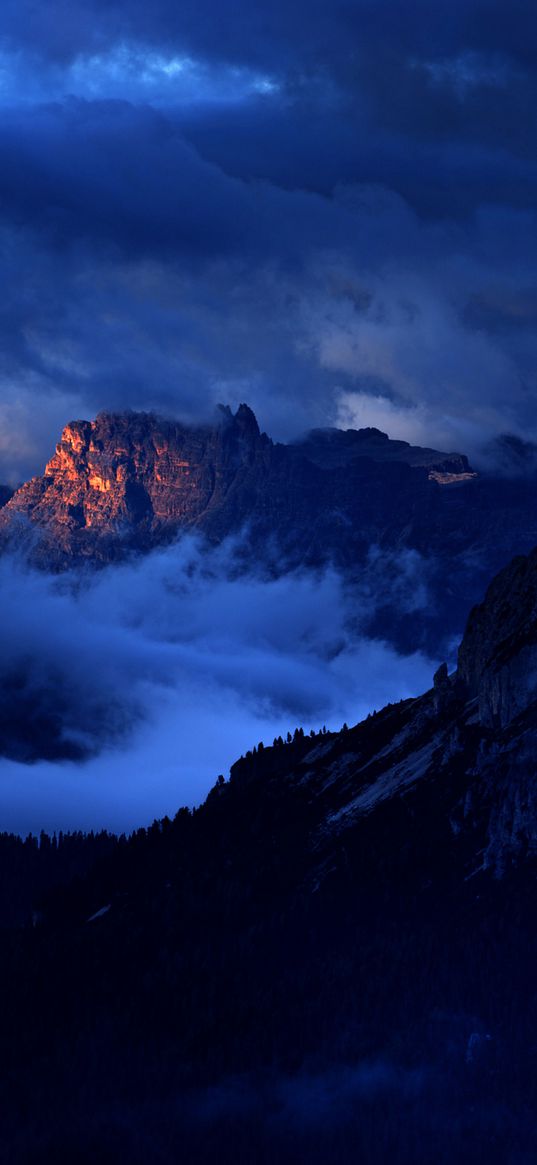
(134, 477)
(128, 482)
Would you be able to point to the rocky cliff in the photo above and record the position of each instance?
(498, 655)
(461, 759)
(127, 483)
(132, 480)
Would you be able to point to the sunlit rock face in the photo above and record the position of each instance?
(131, 479)
(415, 529)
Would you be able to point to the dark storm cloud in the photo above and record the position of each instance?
(290, 146)
(365, 78)
(276, 32)
(122, 175)
(305, 206)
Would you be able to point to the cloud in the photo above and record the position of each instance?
(295, 206)
(298, 328)
(162, 671)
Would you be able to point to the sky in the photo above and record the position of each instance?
(326, 209)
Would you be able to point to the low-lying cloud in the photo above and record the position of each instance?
(158, 673)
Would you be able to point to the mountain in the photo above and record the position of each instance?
(472, 738)
(135, 480)
(417, 531)
(332, 959)
(329, 448)
(132, 481)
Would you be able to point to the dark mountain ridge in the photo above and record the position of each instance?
(337, 447)
(345, 927)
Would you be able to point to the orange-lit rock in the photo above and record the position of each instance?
(136, 478)
(418, 530)
(133, 480)
(100, 483)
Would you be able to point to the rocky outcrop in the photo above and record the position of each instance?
(131, 480)
(498, 655)
(460, 759)
(374, 508)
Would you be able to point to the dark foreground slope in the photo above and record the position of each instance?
(333, 960)
(401, 522)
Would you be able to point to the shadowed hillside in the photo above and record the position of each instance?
(332, 959)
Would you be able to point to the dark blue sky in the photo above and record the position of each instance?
(326, 209)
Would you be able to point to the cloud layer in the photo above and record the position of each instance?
(327, 212)
(165, 670)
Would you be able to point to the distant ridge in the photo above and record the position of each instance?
(340, 446)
